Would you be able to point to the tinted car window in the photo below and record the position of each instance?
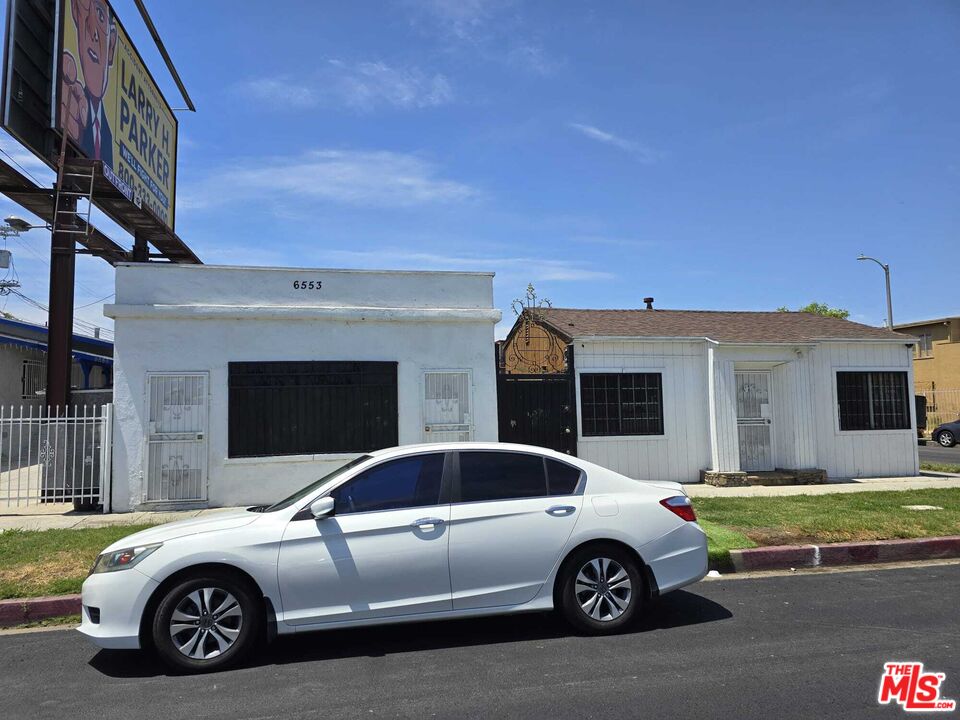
(562, 478)
(500, 476)
(406, 482)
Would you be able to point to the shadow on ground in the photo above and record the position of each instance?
(677, 609)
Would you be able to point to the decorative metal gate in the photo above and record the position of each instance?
(176, 437)
(754, 420)
(55, 458)
(538, 410)
(447, 414)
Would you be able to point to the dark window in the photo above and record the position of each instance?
(562, 479)
(404, 483)
(500, 476)
(873, 400)
(293, 408)
(621, 404)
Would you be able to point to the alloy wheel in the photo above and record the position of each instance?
(603, 589)
(945, 438)
(206, 623)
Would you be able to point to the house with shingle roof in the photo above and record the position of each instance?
(685, 394)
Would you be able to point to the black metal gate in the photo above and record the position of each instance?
(538, 410)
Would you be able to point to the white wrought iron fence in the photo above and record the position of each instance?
(942, 406)
(47, 457)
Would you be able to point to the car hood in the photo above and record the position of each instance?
(182, 528)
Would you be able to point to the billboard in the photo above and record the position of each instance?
(110, 107)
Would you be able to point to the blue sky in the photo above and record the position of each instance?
(734, 155)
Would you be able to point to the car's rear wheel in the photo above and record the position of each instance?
(206, 622)
(946, 438)
(602, 589)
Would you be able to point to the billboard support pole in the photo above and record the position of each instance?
(141, 251)
(60, 328)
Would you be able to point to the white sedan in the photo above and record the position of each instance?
(407, 534)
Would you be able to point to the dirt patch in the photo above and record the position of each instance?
(37, 575)
(799, 536)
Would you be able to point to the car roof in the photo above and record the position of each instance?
(448, 446)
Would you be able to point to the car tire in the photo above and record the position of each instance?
(206, 622)
(946, 438)
(601, 589)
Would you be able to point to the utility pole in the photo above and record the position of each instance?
(63, 262)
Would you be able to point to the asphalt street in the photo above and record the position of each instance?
(933, 453)
(797, 646)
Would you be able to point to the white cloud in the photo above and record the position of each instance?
(462, 19)
(493, 29)
(508, 268)
(365, 85)
(643, 153)
(351, 177)
(278, 92)
(614, 241)
(358, 85)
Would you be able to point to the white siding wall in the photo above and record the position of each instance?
(861, 453)
(725, 443)
(684, 449)
(700, 416)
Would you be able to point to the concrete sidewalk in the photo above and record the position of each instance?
(66, 518)
(926, 480)
(50, 517)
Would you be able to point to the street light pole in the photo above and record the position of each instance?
(886, 272)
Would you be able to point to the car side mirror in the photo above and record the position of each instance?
(322, 507)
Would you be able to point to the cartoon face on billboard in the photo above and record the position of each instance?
(111, 108)
(81, 101)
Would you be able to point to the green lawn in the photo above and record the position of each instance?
(52, 562)
(742, 522)
(55, 562)
(940, 467)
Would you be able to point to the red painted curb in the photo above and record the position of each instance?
(782, 557)
(23, 610)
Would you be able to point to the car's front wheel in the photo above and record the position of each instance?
(206, 622)
(946, 438)
(602, 589)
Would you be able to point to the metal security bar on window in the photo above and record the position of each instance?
(873, 400)
(51, 458)
(621, 404)
(293, 408)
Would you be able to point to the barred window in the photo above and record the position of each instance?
(291, 408)
(873, 400)
(621, 404)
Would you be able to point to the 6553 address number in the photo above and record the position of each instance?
(307, 284)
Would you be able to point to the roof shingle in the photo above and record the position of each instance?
(719, 325)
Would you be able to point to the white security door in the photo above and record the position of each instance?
(176, 437)
(447, 411)
(754, 420)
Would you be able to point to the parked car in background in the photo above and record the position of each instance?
(947, 434)
(410, 533)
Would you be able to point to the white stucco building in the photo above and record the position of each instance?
(673, 394)
(238, 385)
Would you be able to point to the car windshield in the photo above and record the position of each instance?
(303, 492)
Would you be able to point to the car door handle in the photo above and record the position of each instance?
(426, 523)
(561, 510)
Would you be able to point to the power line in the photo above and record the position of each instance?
(82, 324)
(105, 297)
(31, 175)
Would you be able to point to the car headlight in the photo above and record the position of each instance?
(122, 559)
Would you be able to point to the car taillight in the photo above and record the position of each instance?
(680, 506)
